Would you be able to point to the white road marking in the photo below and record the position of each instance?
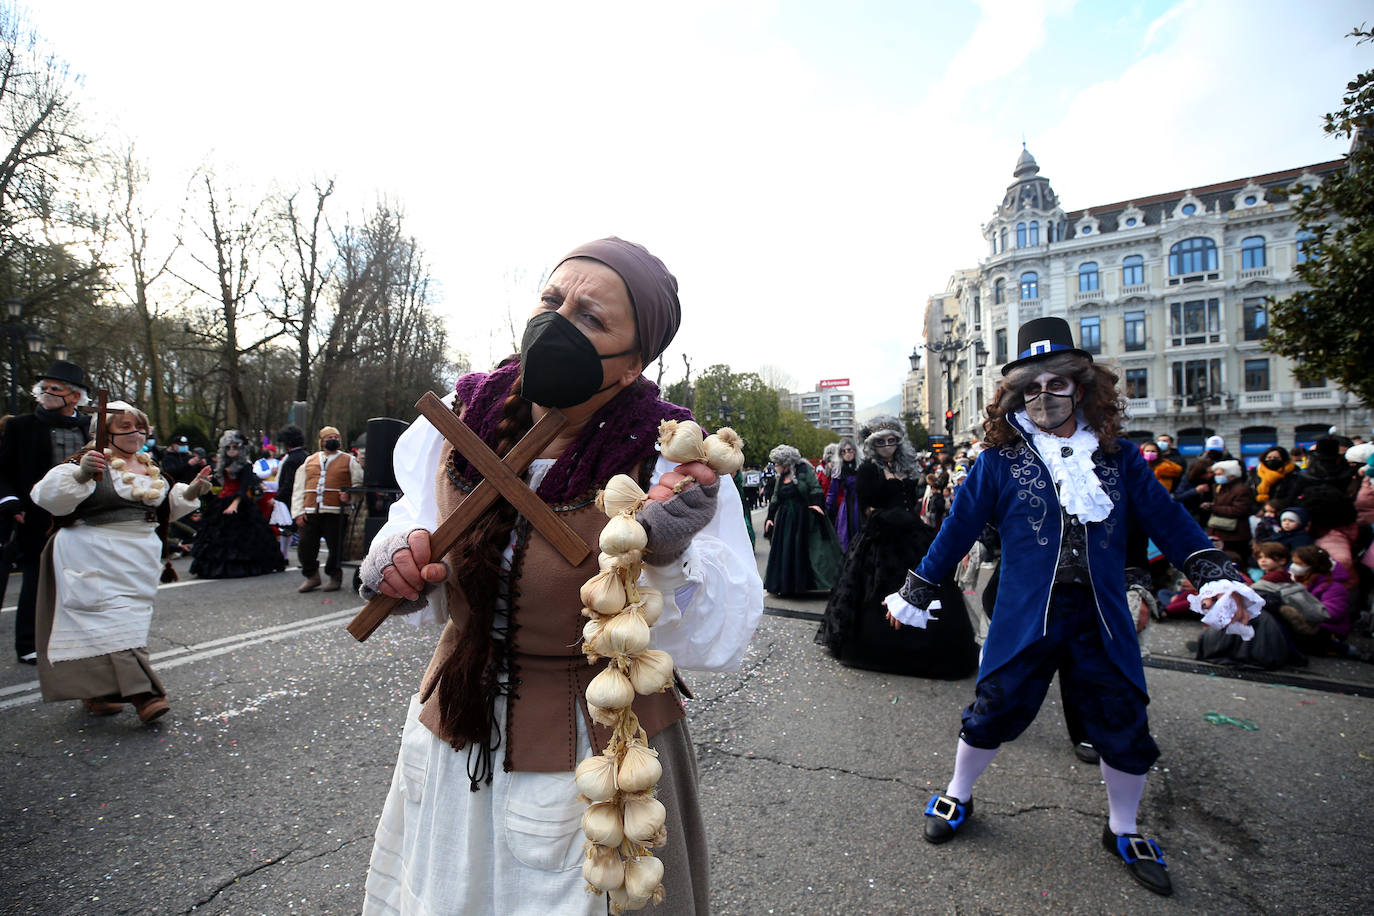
(23, 694)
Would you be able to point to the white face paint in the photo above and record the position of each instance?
(1050, 400)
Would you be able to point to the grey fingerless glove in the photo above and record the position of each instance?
(86, 467)
(197, 488)
(671, 524)
(373, 569)
(917, 592)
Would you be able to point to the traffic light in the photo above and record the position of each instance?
(949, 423)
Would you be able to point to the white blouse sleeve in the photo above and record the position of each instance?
(415, 460)
(178, 504)
(712, 597)
(59, 492)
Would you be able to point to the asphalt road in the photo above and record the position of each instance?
(259, 792)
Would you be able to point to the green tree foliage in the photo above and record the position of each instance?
(1327, 328)
(746, 403)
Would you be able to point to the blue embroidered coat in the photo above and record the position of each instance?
(1011, 486)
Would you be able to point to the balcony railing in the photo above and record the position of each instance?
(1264, 400)
(1092, 295)
(1143, 407)
(1140, 289)
(1316, 397)
(1029, 308)
(1255, 273)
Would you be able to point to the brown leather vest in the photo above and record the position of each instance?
(338, 475)
(540, 733)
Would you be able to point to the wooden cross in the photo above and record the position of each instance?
(102, 414)
(500, 478)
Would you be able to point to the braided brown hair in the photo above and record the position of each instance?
(469, 678)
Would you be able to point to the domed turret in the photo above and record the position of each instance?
(1029, 190)
(1025, 164)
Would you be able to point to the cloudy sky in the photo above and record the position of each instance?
(811, 171)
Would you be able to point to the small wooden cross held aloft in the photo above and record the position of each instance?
(500, 479)
(102, 414)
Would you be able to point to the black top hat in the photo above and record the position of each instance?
(63, 371)
(1041, 338)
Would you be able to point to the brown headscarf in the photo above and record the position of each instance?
(653, 290)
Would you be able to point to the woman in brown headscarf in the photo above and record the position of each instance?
(483, 814)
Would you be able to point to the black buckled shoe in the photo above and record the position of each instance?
(1143, 858)
(944, 815)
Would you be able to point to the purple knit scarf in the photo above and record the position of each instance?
(620, 436)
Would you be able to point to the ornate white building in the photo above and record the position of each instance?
(1172, 290)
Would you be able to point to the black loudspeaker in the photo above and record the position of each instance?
(382, 433)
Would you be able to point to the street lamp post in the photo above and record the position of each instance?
(19, 333)
(949, 348)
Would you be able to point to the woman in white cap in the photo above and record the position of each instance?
(1229, 507)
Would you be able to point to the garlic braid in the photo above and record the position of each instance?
(624, 820)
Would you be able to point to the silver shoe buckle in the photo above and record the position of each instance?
(1141, 849)
(946, 808)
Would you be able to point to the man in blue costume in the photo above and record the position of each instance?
(1061, 487)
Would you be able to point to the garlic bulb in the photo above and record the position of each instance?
(681, 442)
(604, 593)
(128, 478)
(724, 451)
(595, 777)
(642, 875)
(625, 634)
(644, 817)
(624, 901)
(602, 716)
(603, 868)
(610, 689)
(622, 535)
(602, 825)
(650, 604)
(640, 770)
(117, 464)
(651, 671)
(591, 632)
(621, 495)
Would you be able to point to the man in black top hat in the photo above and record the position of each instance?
(32, 445)
(1063, 488)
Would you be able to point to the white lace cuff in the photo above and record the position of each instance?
(1229, 596)
(909, 614)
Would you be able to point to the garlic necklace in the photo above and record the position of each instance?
(624, 820)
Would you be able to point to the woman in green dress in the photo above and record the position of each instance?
(805, 554)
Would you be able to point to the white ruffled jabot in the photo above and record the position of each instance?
(1071, 466)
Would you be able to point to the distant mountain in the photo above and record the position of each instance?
(891, 407)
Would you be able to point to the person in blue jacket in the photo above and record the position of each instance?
(1061, 486)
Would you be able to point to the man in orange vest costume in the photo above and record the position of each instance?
(317, 501)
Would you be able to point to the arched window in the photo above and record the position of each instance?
(1035, 232)
(1003, 246)
(1030, 285)
(1087, 277)
(1132, 270)
(1049, 232)
(999, 291)
(1193, 256)
(1020, 235)
(1306, 250)
(1252, 252)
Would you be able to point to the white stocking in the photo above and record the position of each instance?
(969, 764)
(1123, 799)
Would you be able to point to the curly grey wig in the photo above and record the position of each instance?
(224, 468)
(904, 460)
(785, 455)
(834, 466)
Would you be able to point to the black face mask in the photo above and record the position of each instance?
(332, 445)
(559, 366)
(1048, 410)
